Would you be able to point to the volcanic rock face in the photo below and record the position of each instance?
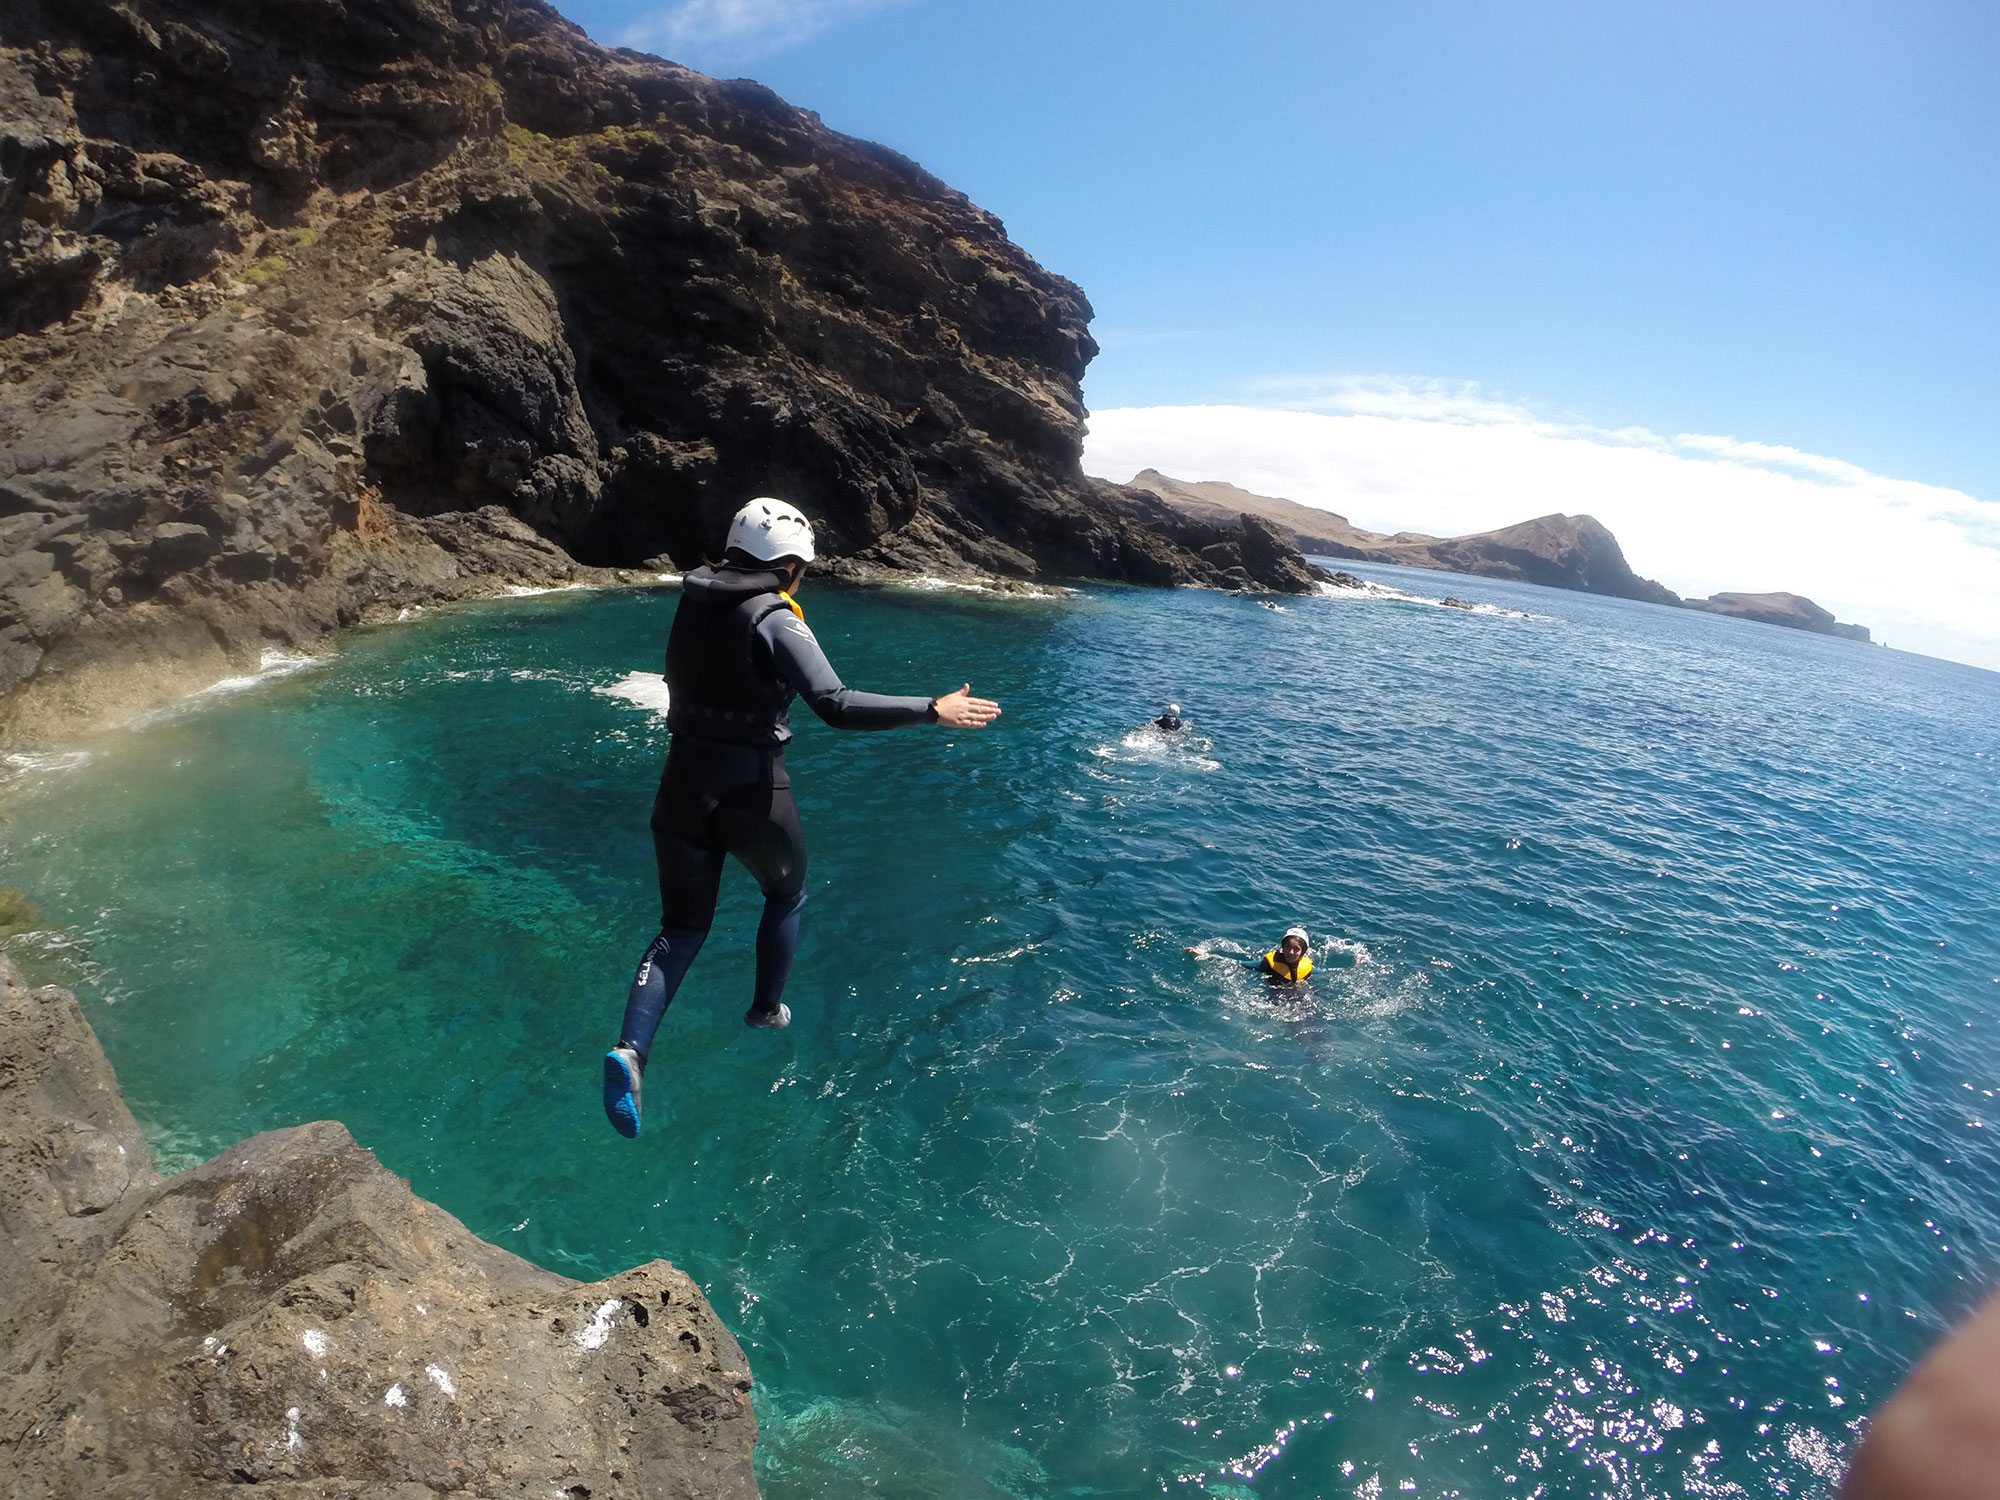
(1245, 550)
(281, 278)
(291, 1316)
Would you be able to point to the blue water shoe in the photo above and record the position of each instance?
(622, 1070)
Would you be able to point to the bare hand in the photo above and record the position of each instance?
(960, 710)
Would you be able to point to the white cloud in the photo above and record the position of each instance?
(715, 34)
(1917, 563)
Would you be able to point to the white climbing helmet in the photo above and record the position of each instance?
(769, 529)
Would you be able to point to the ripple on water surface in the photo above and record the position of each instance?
(1631, 1138)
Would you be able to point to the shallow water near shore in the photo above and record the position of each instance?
(1635, 1136)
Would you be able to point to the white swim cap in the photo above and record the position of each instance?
(1300, 934)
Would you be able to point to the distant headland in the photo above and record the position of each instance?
(1564, 552)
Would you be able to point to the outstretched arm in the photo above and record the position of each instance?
(1249, 961)
(798, 659)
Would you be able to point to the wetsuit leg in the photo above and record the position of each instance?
(661, 971)
(760, 826)
(690, 877)
(777, 942)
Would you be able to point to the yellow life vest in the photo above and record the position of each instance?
(1277, 966)
(793, 605)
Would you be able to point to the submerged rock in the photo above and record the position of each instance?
(290, 1315)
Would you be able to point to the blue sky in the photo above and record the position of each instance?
(1774, 222)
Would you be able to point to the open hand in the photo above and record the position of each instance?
(960, 710)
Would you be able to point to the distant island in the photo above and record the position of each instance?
(1564, 552)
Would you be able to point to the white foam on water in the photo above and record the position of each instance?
(1359, 951)
(270, 666)
(930, 583)
(24, 764)
(647, 690)
(1152, 746)
(526, 591)
(999, 958)
(1383, 592)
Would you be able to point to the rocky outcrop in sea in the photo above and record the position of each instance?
(310, 311)
(1564, 552)
(1793, 610)
(290, 1316)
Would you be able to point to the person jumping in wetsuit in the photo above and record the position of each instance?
(738, 652)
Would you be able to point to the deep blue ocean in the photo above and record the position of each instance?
(1634, 1138)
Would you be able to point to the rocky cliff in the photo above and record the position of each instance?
(311, 309)
(1564, 552)
(291, 1316)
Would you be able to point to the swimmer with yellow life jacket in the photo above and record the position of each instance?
(1291, 961)
(1287, 964)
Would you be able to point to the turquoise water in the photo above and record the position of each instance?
(1635, 1141)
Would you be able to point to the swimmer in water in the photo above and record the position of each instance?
(1170, 721)
(1287, 964)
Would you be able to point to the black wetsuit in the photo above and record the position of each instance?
(736, 657)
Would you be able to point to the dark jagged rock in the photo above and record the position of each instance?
(1244, 550)
(280, 277)
(1793, 610)
(291, 1317)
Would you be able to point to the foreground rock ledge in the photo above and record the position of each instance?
(291, 1315)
